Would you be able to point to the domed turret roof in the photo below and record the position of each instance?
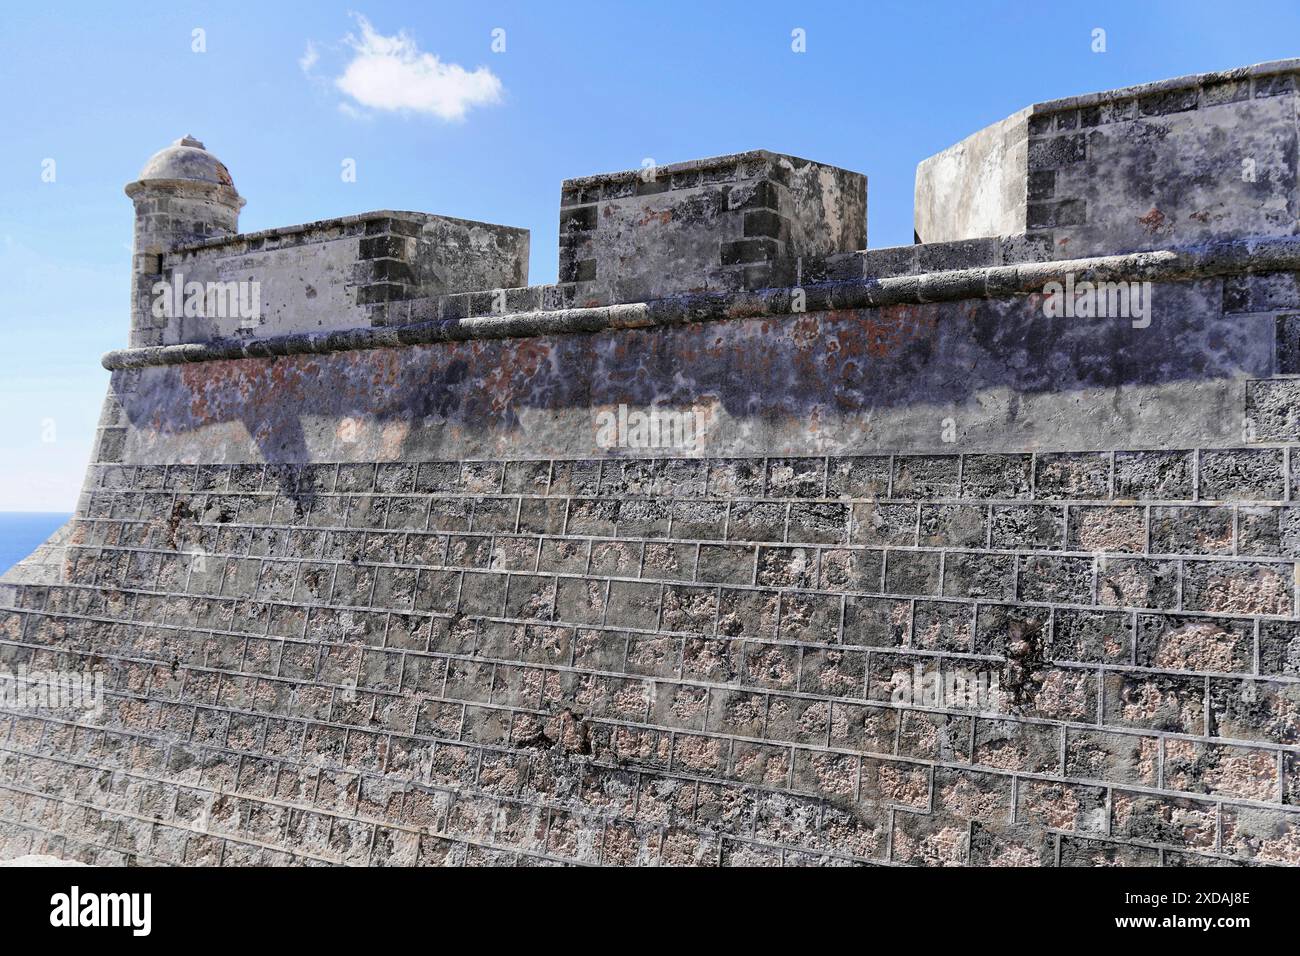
(186, 159)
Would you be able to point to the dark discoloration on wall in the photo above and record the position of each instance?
(876, 379)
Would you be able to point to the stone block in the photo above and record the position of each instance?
(1084, 170)
(712, 224)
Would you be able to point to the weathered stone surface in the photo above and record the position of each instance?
(726, 223)
(331, 275)
(1130, 169)
(978, 187)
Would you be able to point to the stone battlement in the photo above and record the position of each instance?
(717, 224)
(1183, 160)
(1137, 169)
(329, 275)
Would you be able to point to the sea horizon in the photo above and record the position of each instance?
(22, 532)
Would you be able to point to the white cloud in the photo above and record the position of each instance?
(392, 73)
(308, 58)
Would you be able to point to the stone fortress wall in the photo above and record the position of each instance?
(367, 585)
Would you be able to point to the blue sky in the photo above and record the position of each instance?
(579, 88)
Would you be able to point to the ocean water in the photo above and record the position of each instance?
(22, 531)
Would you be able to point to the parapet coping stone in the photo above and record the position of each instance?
(689, 166)
(1260, 254)
(338, 222)
(1174, 84)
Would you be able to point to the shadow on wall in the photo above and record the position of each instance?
(778, 379)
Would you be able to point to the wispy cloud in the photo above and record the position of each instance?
(393, 74)
(308, 58)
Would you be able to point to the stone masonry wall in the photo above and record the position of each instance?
(333, 631)
(886, 379)
(720, 224)
(671, 661)
(334, 274)
(1176, 162)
